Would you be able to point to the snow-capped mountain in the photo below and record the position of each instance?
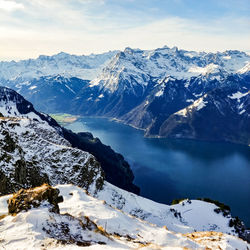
(141, 88)
(172, 95)
(52, 94)
(133, 74)
(83, 67)
(136, 71)
(31, 141)
(222, 114)
(137, 67)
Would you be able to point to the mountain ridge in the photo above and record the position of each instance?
(17, 111)
(141, 88)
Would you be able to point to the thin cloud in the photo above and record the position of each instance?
(86, 26)
(10, 5)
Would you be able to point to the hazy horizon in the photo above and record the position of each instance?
(102, 52)
(46, 27)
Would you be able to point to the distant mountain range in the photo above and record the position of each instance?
(167, 92)
(84, 67)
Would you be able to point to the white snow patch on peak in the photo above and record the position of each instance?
(238, 95)
(209, 69)
(198, 105)
(245, 69)
(182, 112)
(227, 57)
(169, 78)
(242, 111)
(159, 93)
(32, 87)
(191, 54)
(70, 89)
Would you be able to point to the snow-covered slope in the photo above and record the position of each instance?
(186, 217)
(32, 152)
(84, 67)
(219, 115)
(51, 94)
(136, 66)
(93, 222)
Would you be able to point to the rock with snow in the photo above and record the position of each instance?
(83, 67)
(35, 149)
(33, 153)
(26, 199)
(52, 94)
(219, 115)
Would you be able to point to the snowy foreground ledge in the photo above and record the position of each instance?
(104, 222)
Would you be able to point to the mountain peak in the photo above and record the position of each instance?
(61, 55)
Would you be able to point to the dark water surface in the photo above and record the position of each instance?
(167, 169)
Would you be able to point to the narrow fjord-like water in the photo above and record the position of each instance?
(167, 169)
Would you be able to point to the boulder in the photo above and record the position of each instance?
(26, 199)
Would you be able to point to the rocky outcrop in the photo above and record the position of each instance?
(47, 132)
(117, 170)
(26, 199)
(63, 228)
(33, 153)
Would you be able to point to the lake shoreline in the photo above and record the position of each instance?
(73, 118)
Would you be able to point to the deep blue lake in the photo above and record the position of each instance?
(167, 169)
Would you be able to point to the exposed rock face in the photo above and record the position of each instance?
(26, 199)
(28, 151)
(220, 115)
(117, 170)
(33, 153)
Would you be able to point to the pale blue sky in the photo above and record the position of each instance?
(29, 28)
